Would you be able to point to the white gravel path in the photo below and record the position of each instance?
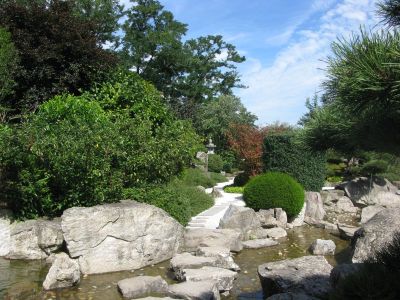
(211, 217)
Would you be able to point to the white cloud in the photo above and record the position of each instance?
(278, 91)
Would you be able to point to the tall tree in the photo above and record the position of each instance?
(8, 68)
(389, 11)
(58, 52)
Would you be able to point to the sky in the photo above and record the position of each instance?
(285, 43)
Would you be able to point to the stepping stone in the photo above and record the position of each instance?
(259, 243)
(203, 290)
(142, 286)
(223, 277)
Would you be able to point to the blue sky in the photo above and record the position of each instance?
(284, 41)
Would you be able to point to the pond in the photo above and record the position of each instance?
(23, 279)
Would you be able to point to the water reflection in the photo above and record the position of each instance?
(23, 279)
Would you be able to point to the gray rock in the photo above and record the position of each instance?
(330, 196)
(299, 219)
(314, 207)
(291, 296)
(374, 234)
(378, 191)
(156, 298)
(5, 231)
(323, 247)
(347, 232)
(200, 237)
(276, 233)
(216, 192)
(243, 219)
(329, 226)
(142, 286)
(223, 277)
(340, 272)
(274, 217)
(202, 290)
(34, 239)
(222, 254)
(201, 188)
(368, 212)
(259, 243)
(120, 236)
(345, 205)
(64, 272)
(281, 217)
(305, 275)
(188, 261)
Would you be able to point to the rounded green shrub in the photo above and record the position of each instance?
(215, 163)
(274, 189)
(374, 167)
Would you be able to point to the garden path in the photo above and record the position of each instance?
(211, 217)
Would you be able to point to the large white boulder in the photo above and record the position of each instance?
(64, 272)
(120, 236)
(314, 210)
(243, 219)
(368, 212)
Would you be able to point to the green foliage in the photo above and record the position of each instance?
(8, 66)
(241, 179)
(362, 100)
(234, 189)
(180, 200)
(73, 153)
(272, 190)
(198, 177)
(58, 52)
(389, 11)
(374, 167)
(214, 118)
(217, 177)
(215, 163)
(229, 160)
(282, 153)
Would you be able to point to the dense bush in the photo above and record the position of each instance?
(241, 179)
(215, 163)
(283, 154)
(374, 167)
(72, 153)
(180, 200)
(272, 190)
(198, 177)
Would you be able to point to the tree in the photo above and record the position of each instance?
(362, 107)
(247, 143)
(8, 66)
(58, 52)
(187, 73)
(213, 119)
(389, 11)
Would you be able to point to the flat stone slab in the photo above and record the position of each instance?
(347, 232)
(188, 261)
(224, 278)
(200, 237)
(276, 233)
(142, 286)
(222, 254)
(259, 243)
(305, 275)
(202, 290)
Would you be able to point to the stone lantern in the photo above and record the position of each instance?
(210, 147)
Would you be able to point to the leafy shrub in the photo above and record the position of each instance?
(229, 160)
(274, 189)
(215, 163)
(241, 179)
(72, 153)
(178, 199)
(234, 189)
(217, 177)
(373, 167)
(283, 154)
(196, 177)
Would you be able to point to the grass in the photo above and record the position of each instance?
(234, 189)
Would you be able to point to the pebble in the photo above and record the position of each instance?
(245, 272)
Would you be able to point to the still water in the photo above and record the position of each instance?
(23, 279)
